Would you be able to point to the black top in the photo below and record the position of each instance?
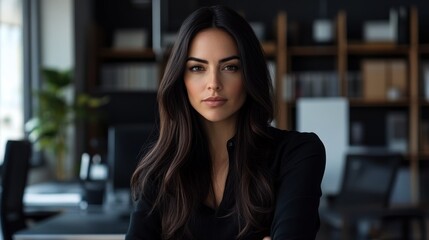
(297, 167)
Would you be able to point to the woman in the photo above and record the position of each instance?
(218, 170)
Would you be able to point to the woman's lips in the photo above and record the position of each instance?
(214, 101)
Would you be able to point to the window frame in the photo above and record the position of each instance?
(31, 64)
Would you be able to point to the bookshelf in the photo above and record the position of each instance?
(110, 53)
(127, 74)
(120, 69)
(346, 56)
(313, 51)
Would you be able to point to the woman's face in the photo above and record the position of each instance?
(213, 76)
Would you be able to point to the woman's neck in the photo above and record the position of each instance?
(218, 135)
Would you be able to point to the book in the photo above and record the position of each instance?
(424, 137)
(130, 39)
(374, 79)
(397, 79)
(396, 131)
(425, 76)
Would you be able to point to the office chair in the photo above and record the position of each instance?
(13, 180)
(367, 183)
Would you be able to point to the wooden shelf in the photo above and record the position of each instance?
(357, 48)
(313, 50)
(270, 49)
(126, 53)
(367, 103)
(424, 48)
(424, 156)
(378, 103)
(100, 91)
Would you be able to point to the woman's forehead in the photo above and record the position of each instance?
(211, 43)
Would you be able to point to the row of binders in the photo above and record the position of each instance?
(129, 76)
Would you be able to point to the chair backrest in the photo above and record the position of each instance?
(368, 179)
(14, 179)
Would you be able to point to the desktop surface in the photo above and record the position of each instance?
(53, 195)
(99, 224)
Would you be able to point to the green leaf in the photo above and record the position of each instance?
(56, 79)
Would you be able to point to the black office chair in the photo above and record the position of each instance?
(367, 183)
(14, 179)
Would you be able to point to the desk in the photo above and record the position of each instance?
(92, 225)
(53, 196)
(343, 219)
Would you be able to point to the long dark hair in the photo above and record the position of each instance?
(179, 163)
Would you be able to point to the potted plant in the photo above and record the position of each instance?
(48, 128)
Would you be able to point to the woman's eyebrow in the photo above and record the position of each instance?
(197, 60)
(206, 62)
(229, 58)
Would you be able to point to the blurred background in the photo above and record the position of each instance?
(355, 72)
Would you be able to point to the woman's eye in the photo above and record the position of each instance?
(231, 68)
(196, 68)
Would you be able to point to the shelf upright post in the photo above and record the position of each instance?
(414, 113)
(282, 115)
(342, 53)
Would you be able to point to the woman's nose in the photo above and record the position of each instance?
(214, 82)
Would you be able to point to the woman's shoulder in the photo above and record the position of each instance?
(291, 147)
(289, 137)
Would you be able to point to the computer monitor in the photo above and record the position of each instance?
(126, 146)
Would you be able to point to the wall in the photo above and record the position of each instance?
(56, 17)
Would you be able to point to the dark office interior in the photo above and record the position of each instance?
(354, 72)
